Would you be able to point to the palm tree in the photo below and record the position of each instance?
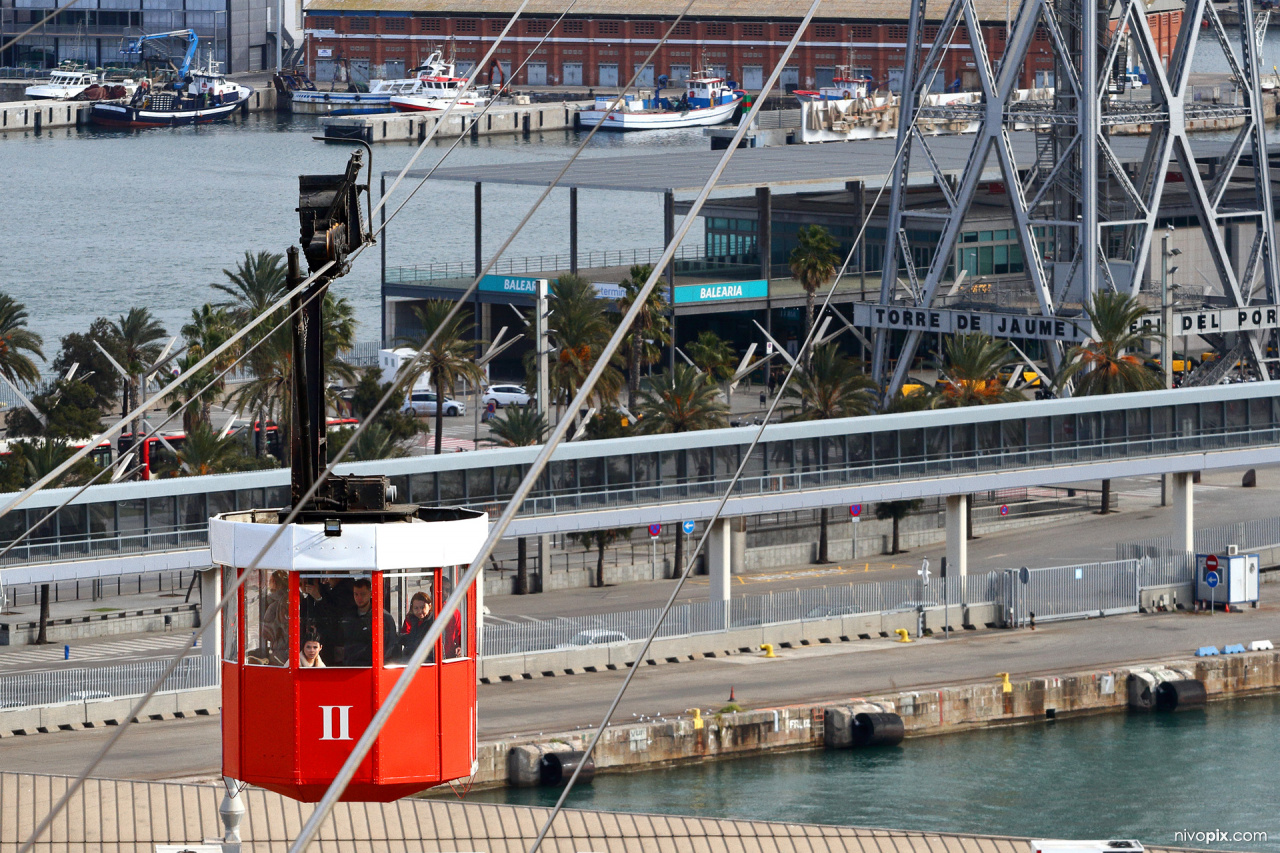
(714, 356)
(830, 386)
(1106, 363)
(376, 442)
(15, 338)
(971, 373)
(257, 282)
(519, 427)
(651, 330)
(681, 402)
(135, 340)
(449, 358)
(205, 451)
(896, 510)
(208, 329)
(580, 328)
(813, 262)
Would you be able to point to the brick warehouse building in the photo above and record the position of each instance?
(602, 42)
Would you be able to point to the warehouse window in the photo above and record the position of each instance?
(717, 30)
(394, 25)
(466, 25)
(431, 25)
(827, 31)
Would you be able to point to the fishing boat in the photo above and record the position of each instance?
(64, 82)
(435, 91)
(707, 100)
(845, 86)
(378, 99)
(197, 96)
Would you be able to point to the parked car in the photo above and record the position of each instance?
(595, 637)
(915, 605)
(507, 395)
(85, 696)
(424, 403)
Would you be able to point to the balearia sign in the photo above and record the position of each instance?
(692, 293)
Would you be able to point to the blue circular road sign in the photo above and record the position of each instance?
(1211, 578)
(688, 527)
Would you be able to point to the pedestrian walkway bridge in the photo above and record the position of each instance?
(632, 482)
(134, 817)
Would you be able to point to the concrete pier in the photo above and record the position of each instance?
(414, 127)
(23, 116)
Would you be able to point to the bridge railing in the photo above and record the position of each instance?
(63, 686)
(1252, 535)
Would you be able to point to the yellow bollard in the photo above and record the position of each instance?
(1005, 686)
(767, 648)
(904, 636)
(697, 717)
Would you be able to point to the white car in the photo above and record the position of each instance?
(507, 395)
(424, 403)
(594, 637)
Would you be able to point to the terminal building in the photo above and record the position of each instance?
(601, 43)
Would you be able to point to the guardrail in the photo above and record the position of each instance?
(538, 263)
(1245, 535)
(58, 687)
(1060, 592)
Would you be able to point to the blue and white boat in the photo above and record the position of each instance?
(707, 100)
(378, 98)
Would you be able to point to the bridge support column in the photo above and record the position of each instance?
(957, 541)
(718, 562)
(210, 595)
(1183, 531)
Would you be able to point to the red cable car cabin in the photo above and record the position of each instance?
(320, 634)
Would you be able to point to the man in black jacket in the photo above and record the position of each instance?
(357, 629)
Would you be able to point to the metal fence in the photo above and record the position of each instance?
(63, 686)
(539, 263)
(1071, 592)
(1246, 535)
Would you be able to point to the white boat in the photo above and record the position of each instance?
(208, 97)
(378, 98)
(844, 87)
(708, 100)
(63, 83)
(439, 89)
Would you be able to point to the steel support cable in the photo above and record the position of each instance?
(461, 136)
(174, 661)
(388, 704)
(141, 409)
(182, 408)
(724, 498)
(229, 594)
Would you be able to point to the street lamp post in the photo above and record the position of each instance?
(1166, 332)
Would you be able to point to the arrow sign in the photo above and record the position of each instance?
(655, 530)
(687, 527)
(1211, 579)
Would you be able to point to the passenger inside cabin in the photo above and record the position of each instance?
(309, 657)
(357, 629)
(416, 624)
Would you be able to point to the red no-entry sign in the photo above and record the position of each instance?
(1211, 563)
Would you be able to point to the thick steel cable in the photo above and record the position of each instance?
(174, 661)
(182, 408)
(388, 704)
(243, 574)
(724, 498)
(475, 72)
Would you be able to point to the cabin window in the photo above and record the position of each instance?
(230, 619)
(410, 603)
(266, 618)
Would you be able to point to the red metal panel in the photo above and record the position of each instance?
(231, 721)
(266, 725)
(409, 746)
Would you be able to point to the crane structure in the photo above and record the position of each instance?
(134, 48)
(1084, 220)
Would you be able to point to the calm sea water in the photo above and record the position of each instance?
(96, 222)
(1116, 776)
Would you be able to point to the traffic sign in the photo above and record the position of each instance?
(655, 530)
(688, 527)
(1024, 575)
(1004, 510)
(1211, 563)
(924, 571)
(1211, 579)
(855, 510)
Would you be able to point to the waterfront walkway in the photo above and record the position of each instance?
(125, 816)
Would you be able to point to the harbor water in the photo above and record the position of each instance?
(1142, 776)
(100, 221)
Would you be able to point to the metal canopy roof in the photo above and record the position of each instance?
(780, 166)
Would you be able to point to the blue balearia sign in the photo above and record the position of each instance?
(509, 284)
(689, 293)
